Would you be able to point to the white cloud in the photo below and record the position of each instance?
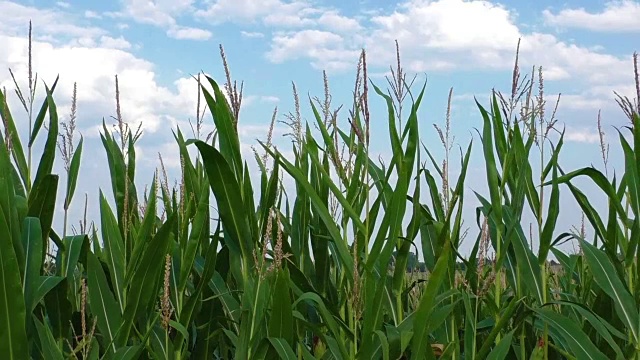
(93, 68)
(327, 50)
(444, 35)
(452, 24)
(63, 4)
(163, 13)
(251, 99)
(114, 43)
(57, 25)
(251, 34)
(583, 135)
(599, 97)
(617, 16)
(269, 98)
(159, 13)
(188, 33)
(275, 12)
(278, 14)
(336, 22)
(92, 15)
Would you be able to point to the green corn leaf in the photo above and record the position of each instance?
(147, 279)
(249, 201)
(269, 193)
(576, 339)
(603, 328)
(321, 209)
(42, 205)
(599, 179)
(606, 276)
(58, 306)
(145, 230)
(32, 244)
(346, 207)
(72, 178)
(281, 320)
(634, 239)
(199, 235)
(76, 247)
(13, 336)
(631, 174)
(42, 286)
(45, 166)
(330, 321)
(589, 211)
(384, 344)
(205, 276)
(16, 145)
(39, 120)
(525, 258)
(224, 121)
(470, 330)
(226, 190)
(102, 302)
(374, 293)
(492, 171)
(191, 179)
(498, 129)
(552, 218)
(120, 176)
(50, 350)
(420, 345)
(114, 250)
(128, 352)
(283, 348)
(501, 350)
(499, 327)
(380, 252)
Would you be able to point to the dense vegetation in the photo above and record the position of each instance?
(253, 272)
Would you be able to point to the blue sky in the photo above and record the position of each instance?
(584, 47)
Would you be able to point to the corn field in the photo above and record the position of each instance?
(254, 272)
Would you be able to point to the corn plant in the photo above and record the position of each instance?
(218, 267)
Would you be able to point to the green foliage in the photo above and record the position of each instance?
(330, 271)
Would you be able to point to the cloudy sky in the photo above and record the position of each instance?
(584, 47)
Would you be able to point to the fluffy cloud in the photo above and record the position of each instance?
(252, 34)
(57, 25)
(163, 13)
(274, 12)
(142, 98)
(189, 33)
(333, 20)
(114, 43)
(451, 31)
(583, 135)
(92, 15)
(159, 13)
(482, 35)
(443, 35)
(325, 49)
(617, 16)
(278, 14)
